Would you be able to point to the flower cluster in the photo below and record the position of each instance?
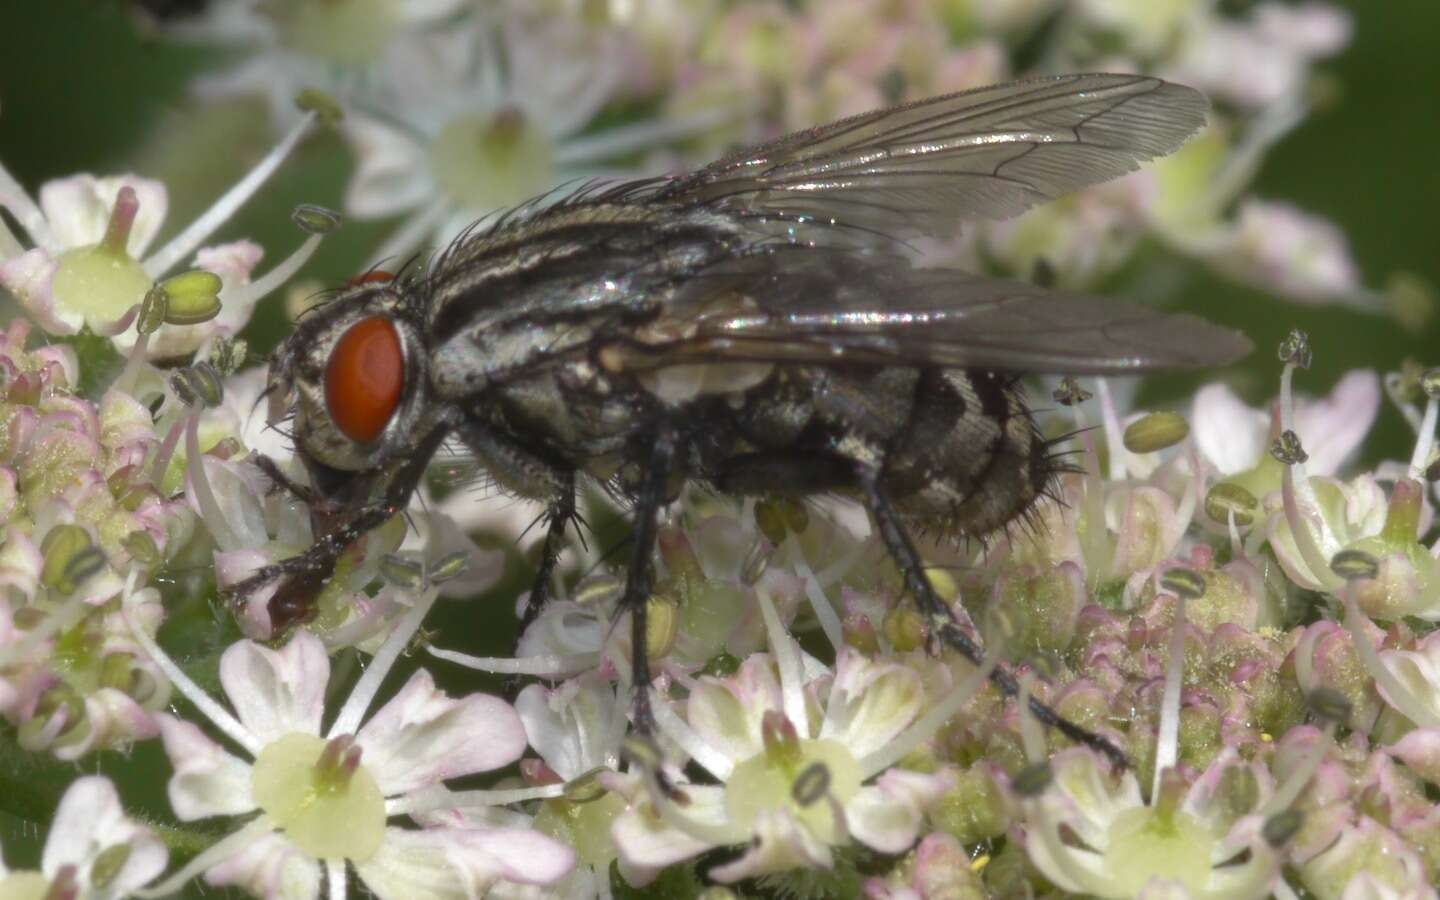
(1220, 597)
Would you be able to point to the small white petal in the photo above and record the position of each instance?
(887, 815)
(88, 821)
(270, 867)
(208, 781)
(423, 736)
(780, 844)
(461, 864)
(277, 692)
(78, 209)
(392, 171)
(870, 703)
(1229, 434)
(647, 842)
(1332, 428)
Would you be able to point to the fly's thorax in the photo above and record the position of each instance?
(355, 370)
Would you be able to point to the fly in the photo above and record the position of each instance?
(753, 326)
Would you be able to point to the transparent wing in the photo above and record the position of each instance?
(982, 154)
(834, 307)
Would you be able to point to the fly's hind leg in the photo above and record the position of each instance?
(942, 621)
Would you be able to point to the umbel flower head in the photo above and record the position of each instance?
(1221, 591)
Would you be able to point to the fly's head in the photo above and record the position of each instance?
(355, 374)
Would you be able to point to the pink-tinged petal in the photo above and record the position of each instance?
(780, 844)
(20, 563)
(238, 495)
(78, 209)
(574, 727)
(116, 721)
(233, 568)
(29, 277)
(1367, 849)
(208, 781)
(647, 843)
(422, 736)
(870, 703)
(277, 692)
(1420, 750)
(89, 821)
(269, 867)
(1148, 529)
(887, 815)
(1333, 427)
(460, 864)
(727, 713)
(391, 170)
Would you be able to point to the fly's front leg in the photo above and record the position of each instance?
(294, 602)
(942, 621)
(529, 475)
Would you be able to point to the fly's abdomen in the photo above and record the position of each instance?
(970, 459)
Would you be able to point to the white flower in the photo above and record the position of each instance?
(302, 780)
(1263, 59)
(795, 764)
(1125, 848)
(477, 118)
(1292, 252)
(93, 852)
(307, 44)
(90, 234)
(1234, 437)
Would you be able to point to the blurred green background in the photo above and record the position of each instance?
(83, 89)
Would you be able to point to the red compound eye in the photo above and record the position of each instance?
(364, 377)
(374, 276)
